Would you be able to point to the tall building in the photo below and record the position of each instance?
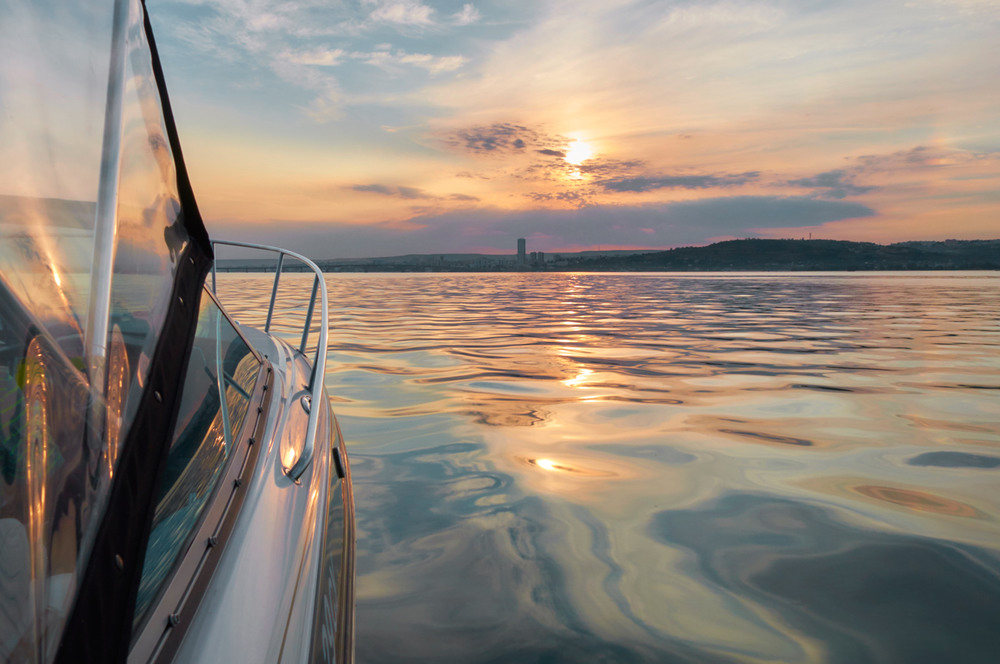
(520, 250)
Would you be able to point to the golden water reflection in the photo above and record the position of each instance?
(918, 500)
(576, 467)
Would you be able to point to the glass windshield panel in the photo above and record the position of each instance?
(90, 237)
(149, 235)
(53, 85)
(221, 375)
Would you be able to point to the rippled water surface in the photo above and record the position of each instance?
(671, 468)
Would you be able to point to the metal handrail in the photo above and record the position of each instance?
(319, 364)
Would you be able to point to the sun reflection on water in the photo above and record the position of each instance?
(553, 466)
(564, 467)
(580, 379)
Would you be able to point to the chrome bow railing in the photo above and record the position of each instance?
(315, 388)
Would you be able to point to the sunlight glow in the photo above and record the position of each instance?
(578, 152)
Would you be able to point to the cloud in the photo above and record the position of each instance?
(801, 72)
(683, 100)
(244, 39)
(311, 46)
(615, 177)
(606, 168)
(919, 157)
(434, 65)
(652, 226)
(578, 198)
(642, 184)
(412, 13)
(387, 59)
(467, 16)
(841, 183)
(833, 184)
(321, 57)
(497, 138)
(734, 214)
(325, 107)
(409, 193)
(407, 12)
(579, 184)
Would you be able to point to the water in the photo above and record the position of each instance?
(671, 468)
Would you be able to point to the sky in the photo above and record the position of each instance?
(383, 127)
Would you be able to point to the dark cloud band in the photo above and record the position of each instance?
(653, 226)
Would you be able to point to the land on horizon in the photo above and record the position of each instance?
(730, 255)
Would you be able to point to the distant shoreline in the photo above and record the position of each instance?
(458, 270)
(751, 255)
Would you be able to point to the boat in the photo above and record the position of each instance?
(174, 485)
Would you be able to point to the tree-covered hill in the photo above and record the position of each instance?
(758, 254)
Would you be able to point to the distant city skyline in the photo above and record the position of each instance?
(385, 127)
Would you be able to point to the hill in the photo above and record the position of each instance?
(820, 255)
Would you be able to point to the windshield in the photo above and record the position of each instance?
(91, 235)
(220, 377)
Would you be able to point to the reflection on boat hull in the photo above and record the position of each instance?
(290, 538)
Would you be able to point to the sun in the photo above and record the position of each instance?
(578, 152)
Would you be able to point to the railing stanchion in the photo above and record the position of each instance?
(309, 317)
(274, 294)
(304, 459)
